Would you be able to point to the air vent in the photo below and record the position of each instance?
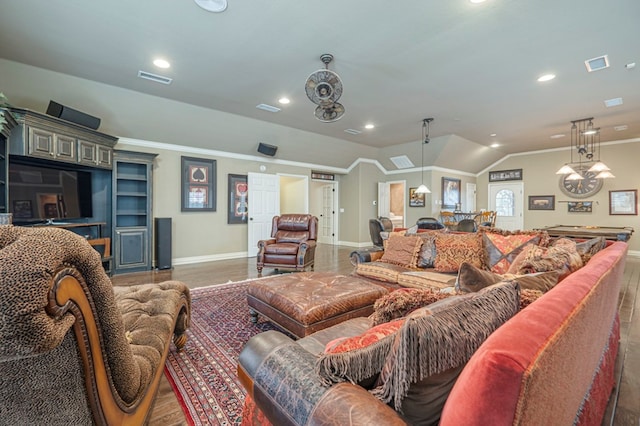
(402, 162)
(352, 131)
(154, 77)
(269, 108)
(596, 64)
(621, 128)
(613, 102)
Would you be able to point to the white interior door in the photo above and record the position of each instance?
(470, 199)
(264, 204)
(384, 199)
(507, 200)
(328, 217)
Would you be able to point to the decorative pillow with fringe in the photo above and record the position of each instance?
(586, 249)
(562, 257)
(357, 358)
(399, 303)
(472, 279)
(402, 251)
(501, 247)
(438, 339)
(454, 249)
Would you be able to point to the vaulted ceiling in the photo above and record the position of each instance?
(473, 67)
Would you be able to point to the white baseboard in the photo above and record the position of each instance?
(352, 244)
(633, 253)
(209, 258)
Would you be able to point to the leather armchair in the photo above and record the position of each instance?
(292, 244)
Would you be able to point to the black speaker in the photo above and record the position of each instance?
(72, 115)
(163, 242)
(267, 149)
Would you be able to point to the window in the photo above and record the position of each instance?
(505, 203)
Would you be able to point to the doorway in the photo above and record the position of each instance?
(507, 200)
(392, 202)
(324, 205)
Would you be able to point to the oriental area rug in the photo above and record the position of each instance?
(203, 374)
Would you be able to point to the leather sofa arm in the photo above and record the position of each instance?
(282, 379)
(264, 243)
(366, 255)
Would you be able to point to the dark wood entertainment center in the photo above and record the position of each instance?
(121, 183)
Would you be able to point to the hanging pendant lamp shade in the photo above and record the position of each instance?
(422, 189)
(565, 170)
(599, 167)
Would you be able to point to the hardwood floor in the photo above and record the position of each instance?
(624, 406)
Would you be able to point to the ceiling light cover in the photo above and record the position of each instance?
(546, 77)
(613, 102)
(215, 6)
(161, 63)
(597, 64)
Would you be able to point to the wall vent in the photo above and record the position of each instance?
(596, 64)
(352, 131)
(154, 77)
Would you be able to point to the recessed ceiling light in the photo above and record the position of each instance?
(613, 102)
(557, 136)
(621, 128)
(494, 145)
(369, 126)
(212, 5)
(546, 77)
(284, 101)
(477, 1)
(493, 135)
(161, 63)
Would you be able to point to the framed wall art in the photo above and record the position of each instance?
(198, 184)
(623, 202)
(451, 196)
(542, 202)
(580, 206)
(502, 175)
(238, 191)
(22, 209)
(415, 199)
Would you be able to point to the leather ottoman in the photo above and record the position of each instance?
(303, 303)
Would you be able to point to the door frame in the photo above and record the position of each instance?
(518, 208)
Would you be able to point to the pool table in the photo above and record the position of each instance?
(609, 232)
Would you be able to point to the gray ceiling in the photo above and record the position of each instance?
(473, 67)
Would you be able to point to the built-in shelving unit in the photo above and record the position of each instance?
(7, 122)
(132, 207)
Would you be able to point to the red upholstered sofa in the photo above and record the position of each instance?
(551, 363)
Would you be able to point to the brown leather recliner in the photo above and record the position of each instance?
(292, 244)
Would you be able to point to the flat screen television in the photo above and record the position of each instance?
(44, 192)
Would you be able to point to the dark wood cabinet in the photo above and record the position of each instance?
(7, 122)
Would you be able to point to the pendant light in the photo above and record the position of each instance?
(585, 141)
(422, 189)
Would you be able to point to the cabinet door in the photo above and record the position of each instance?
(105, 156)
(87, 153)
(65, 148)
(40, 143)
(132, 250)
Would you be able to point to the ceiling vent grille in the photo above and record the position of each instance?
(352, 131)
(154, 77)
(613, 102)
(402, 162)
(269, 108)
(597, 64)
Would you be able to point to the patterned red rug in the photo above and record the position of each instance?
(203, 375)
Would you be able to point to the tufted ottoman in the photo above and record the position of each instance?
(303, 303)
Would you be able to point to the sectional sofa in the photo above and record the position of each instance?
(472, 359)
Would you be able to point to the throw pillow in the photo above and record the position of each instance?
(357, 358)
(501, 247)
(454, 249)
(402, 251)
(586, 249)
(427, 256)
(440, 339)
(472, 279)
(385, 235)
(399, 303)
(528, 296)
(562, 257)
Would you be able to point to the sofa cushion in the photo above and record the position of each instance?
(401, 302)
(471, 278)
(562, 257)
(454, 249)
(501, 247)
(426, 279)
(402, 251)
(357, 358)
(437, 338)
(381, 271)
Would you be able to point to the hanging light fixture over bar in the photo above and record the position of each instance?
(585, 146)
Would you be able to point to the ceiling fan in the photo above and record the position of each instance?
(324, 88)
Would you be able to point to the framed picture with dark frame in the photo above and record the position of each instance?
(580, 206)
(542, 202)
(502, 175)
(415, 199)
(238, 191)
(198, 184)
(451, 196)
(623, 202)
